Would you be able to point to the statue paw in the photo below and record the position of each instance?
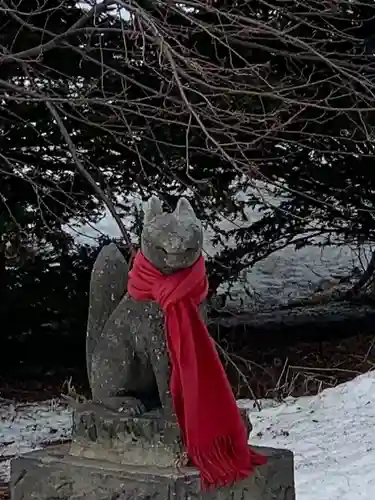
(127, 406)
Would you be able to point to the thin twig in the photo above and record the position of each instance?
(102, 196)
(240, 373)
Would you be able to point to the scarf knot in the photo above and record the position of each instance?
(209, 419)
(188, 284)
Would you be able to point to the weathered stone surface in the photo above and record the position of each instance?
(246, 418)
(108, 283)
(103, 434)
(54, 475)
(127, 360)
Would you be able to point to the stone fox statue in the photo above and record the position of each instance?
(127, 360)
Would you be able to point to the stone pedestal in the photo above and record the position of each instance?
(117, 457)
(54, 474)
(148, 439)
(102, 434)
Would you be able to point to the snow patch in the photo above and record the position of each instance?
(285, 274)
(331, 435)
(28, 427)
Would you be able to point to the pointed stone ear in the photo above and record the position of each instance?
(184, 208)
(152, 209)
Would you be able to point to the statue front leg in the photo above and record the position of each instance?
(160, 361)
(107, 383)
(162, 369)
(118, 375)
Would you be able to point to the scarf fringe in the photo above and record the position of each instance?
(225, 462)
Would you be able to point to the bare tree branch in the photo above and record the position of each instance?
(87, 175)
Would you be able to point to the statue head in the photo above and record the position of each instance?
(171, 241)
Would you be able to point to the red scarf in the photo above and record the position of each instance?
(212, 428)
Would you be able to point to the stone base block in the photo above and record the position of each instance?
(53, 474)
(148, 439)
(101, 434)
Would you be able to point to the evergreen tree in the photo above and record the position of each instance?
(208, 98)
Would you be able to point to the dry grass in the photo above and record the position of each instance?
(300, 370)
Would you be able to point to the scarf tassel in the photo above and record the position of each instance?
(225, 462)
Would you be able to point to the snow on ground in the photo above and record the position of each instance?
(27, 427)
(332, 436)
(283, 275)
